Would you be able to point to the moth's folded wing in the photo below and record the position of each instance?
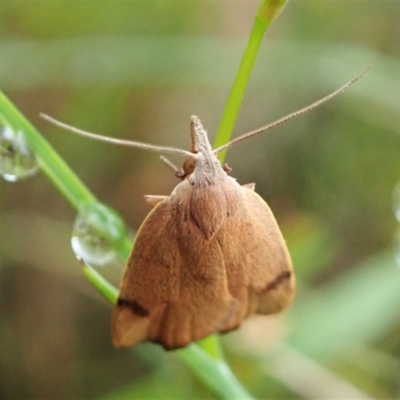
(269, 268)
(205, 304)
(174, 288)
(200, 302)
(150, 280)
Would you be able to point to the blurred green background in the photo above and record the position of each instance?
(138, 70)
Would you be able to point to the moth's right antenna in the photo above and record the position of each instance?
(292, 115)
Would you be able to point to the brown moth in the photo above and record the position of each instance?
(205, 257)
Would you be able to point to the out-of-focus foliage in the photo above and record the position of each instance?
(139, 69)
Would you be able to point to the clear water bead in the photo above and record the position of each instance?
(396, 246)
(97, 230)
(396, 201)
(16, 159)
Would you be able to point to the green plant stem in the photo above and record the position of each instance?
(212, 346)
(214, 373)
(267, 12)
(52, 165)
(106, 289)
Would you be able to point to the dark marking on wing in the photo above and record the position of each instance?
(277, 281)
(134, 306)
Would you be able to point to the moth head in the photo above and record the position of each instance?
(203, 166)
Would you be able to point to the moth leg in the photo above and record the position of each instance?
(251, 186)
(153, 200)
(178, 172)
(227, 168)
(169, 164)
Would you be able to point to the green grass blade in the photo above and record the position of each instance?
(267, 12)
(54, 167)
(216, 374)
(104, 287)
(49, 161)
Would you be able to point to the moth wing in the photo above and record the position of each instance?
(270, 272)
(150, 278)
(174, 289)
(203, 304)
(258, 265)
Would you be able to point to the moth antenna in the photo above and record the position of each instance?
(121, 142)
(292, 115)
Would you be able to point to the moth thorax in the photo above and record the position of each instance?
(207, 171)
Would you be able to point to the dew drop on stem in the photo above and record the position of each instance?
(16, 159)
(396, 246)
(96, 233)
(396, 210)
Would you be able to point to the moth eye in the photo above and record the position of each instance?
(189, 166)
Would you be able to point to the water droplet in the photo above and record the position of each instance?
(396, 246)
(396, 201)
(97, 232)
(16, 159)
